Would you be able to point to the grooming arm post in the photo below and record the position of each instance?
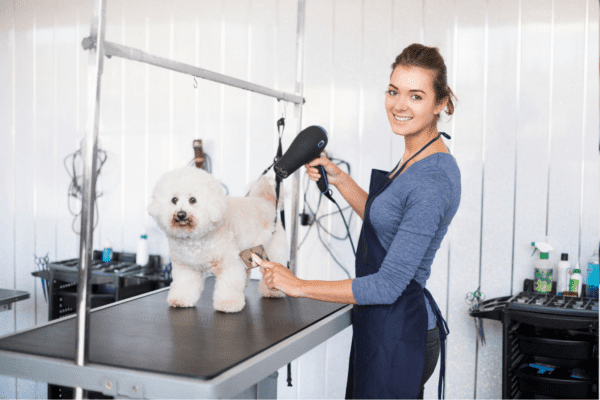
(298, 120)
(90, 155)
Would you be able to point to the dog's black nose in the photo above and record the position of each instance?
(181, 215)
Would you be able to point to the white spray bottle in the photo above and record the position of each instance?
(542, 281)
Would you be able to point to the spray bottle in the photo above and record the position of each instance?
(542, 282)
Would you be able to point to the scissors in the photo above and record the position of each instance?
(475, 299)
(166, 270)
(42, 265)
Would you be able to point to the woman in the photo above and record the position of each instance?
(396, 324)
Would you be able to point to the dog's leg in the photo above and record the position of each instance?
(230, 285)
(186, 287)
(277, 250)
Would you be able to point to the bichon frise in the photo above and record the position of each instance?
(207, 230)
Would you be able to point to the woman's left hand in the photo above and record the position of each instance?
(276, 276)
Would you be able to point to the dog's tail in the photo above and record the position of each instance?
(264, 188)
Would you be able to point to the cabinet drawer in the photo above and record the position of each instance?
(572, 349)
(531, 382)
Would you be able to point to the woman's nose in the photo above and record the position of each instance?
(400, 103)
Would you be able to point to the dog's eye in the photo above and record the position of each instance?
(192, 200)
(174, 200)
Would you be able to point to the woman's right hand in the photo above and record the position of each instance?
(335, 175)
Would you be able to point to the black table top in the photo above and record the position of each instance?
(8, 296)
(146, 334)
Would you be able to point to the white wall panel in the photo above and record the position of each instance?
(564, 201)
(24, 171)
(135, 127)
(67, 107)
(7, 176)
(464, 255)
(532, 137)
(313, 261)
(111, 138)
(590, 160)
(499, 140)
(525, 135)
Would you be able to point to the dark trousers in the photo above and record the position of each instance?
(432, 352)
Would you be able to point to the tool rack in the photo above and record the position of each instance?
(546, 329)
(98, 48)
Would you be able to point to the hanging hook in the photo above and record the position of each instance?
(195, 82)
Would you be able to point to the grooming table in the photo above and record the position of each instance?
(142, 348)
(8, 296)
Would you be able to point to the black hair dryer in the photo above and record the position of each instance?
(307, 146)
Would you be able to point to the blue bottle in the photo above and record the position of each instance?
(592, 276)
(107, 252)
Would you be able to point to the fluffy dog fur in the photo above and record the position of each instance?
(216, 228)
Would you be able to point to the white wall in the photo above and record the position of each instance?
(525, 135)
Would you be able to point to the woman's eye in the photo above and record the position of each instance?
(174, 200)
(192, 200)
(416, 97)
(392, 92)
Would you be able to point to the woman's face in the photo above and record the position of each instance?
(410, 101)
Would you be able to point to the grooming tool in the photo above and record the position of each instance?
(42, 265)
(474, 299)
(246, 255)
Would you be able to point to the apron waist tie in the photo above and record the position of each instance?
(444, 331)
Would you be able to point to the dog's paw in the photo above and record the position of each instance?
(181, 301)
(266, 292)
(231, 304)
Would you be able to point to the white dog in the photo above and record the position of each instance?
(207, 230)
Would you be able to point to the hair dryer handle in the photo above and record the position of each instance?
(322, 182)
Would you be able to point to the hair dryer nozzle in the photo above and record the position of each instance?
(307, 146)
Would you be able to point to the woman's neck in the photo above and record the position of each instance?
(414, 143)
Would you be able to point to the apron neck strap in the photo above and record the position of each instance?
(414, 155)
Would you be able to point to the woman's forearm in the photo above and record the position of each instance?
(330, 291)
(353, 194)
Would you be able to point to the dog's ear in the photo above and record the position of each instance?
(154, 208)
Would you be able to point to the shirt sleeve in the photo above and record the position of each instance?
(425, 208)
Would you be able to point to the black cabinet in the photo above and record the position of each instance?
(549, 356)
(549, 344)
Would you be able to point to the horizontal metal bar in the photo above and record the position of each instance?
(117, 50)
(117, 381)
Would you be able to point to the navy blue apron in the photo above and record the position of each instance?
(388, 343)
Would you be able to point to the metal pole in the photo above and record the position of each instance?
(89, 152)
(298, 117)
(129, 53)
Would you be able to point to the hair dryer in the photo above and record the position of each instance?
(307, 146)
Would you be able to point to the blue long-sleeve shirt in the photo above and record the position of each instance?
(411, 217)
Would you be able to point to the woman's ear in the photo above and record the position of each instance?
(439, 107)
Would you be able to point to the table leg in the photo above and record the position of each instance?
(265, 389)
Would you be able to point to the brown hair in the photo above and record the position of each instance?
(417, 55)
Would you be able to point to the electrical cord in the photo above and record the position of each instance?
(318, 221)
(75, 189)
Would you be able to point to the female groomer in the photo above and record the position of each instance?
(397, 325)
